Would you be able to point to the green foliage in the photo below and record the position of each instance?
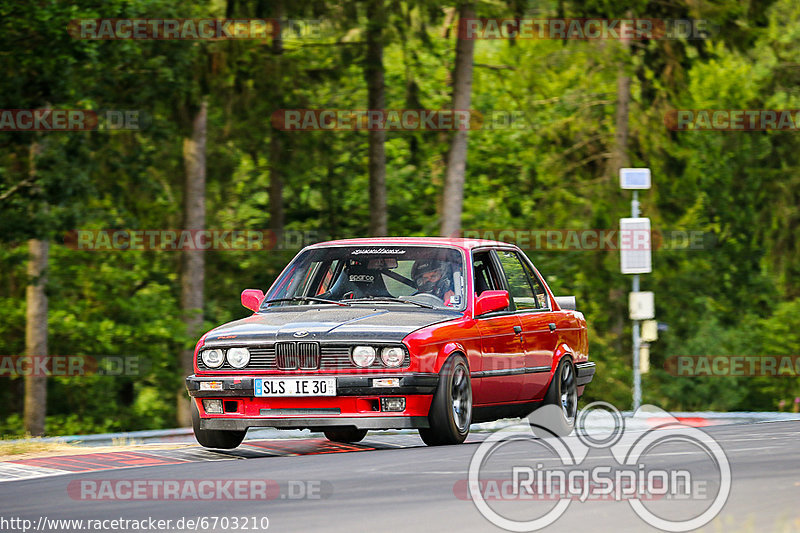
(738, 295)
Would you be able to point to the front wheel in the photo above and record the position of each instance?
(215, 438)
(345, 434)
(451, 409)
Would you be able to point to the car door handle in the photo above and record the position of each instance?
(552, 326)
(518, 330)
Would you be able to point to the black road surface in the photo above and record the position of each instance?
(406, 486)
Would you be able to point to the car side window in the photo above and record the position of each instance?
(485, 273)
(538, 288)
(327, 276)
(519, 283)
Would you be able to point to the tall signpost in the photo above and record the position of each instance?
(635, 247)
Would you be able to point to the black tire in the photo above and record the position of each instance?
(451, 409)
(214, 438)
(563, 393)
(345, 434)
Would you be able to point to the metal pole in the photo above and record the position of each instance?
(637, 375)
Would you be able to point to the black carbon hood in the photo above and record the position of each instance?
(327, 324)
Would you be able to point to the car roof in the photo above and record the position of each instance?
(465, 244)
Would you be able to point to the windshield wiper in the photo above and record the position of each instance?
(305, 299)
(391, 299)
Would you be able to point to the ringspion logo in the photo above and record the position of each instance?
(524, 477)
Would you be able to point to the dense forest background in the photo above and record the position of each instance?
(738, 294)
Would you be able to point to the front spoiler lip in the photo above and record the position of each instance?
(371, 422)
(346, 384)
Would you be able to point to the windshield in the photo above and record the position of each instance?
(426, 276)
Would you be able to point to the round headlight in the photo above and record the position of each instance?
(363, 355)
(238, 357)
(393, 356)
(212, 358)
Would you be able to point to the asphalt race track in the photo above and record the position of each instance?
(389, 482)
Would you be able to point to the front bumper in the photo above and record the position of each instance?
(316, 423)
(357, 403)
(346, 384)
(584, 372)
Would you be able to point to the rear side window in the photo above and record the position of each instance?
(518, 277)
(538, 288)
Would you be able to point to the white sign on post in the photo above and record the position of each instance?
(649, 331)
(641, 305)
(635, 246)
(634, 178)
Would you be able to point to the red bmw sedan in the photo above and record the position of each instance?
(386, 333)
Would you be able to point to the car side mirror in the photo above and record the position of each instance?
(490, 301)
(252, 298)
(567, 303)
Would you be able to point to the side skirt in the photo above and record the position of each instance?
(495, 412)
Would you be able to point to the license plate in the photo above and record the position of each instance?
(295, 387)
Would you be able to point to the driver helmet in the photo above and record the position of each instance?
(433, 276)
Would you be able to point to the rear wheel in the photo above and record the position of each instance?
(563, 393)
(451, 409)
(215, 438)
(345, 434)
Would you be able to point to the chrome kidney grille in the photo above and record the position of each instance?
(297, 355)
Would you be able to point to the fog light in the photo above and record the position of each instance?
(393, 404)
(213, 407)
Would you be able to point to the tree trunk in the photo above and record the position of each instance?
(193, 274)
(276, 216)
(36, 335)
(619, 153)
(376, 100)
(36, 323)
(453, 195)
(619, 158)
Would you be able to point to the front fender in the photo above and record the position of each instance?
(446, 351)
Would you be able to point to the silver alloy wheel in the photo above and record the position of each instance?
(569, 392)
(461, 394)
